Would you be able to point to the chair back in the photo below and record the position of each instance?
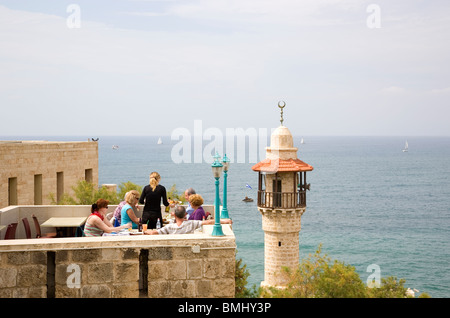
(37, 226)
(26, 225)
(11, 231)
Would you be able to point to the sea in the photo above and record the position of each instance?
(370, 204)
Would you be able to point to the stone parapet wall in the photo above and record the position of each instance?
(189, 265)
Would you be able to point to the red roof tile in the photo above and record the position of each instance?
(275, 165)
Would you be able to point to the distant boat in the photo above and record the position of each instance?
(159, 141)
(115, 147)
(302, 141)
(406, 147)
(247, 199)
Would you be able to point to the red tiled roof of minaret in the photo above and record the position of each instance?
(276, 165)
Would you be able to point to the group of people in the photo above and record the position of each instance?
(186, 219)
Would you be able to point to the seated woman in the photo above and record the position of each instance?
(128, 213)
(97, 224)
(196, 202)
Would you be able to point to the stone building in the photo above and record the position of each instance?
(281, 201)
(32, 170)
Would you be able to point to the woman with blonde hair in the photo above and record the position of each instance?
(97, 223)
(196, 202)
(128, 213)
(151, 197)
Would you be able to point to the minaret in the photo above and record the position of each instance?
(281, 201)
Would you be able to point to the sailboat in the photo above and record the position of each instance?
(159, 141)
(302, 141)
(406, 147)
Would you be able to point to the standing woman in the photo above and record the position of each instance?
(151, 196)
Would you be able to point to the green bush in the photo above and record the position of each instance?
(86, 193)
(319, 277)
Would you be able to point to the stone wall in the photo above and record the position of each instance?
(281, 242)
(29, 169)
(189, 265)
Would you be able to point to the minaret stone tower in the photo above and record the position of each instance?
(281, 201)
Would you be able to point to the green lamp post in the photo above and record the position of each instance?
(217, 171)
(226, 165)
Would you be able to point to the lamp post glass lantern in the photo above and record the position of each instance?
(226, 165)
(217, 171)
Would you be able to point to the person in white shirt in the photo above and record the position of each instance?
(183, 226)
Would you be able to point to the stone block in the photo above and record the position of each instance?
(183, 288)
(86, 255)
(194, 269)
(66, 292)
(229, 267)
(37, 292)
(186, 253)
(95, 291)
(126, 290)
(61, 256)
(109, 254)
(126, 271)
(8, 277)
(100, 273)
(224, 287)
(212, 268)
(177, 270)
(18, 258)
(160, 253)
(159, 289)
(39, 258)
(204, 288)
(6, 292)
(130, 254)
(31, 275)
(158, 270)
(20, 293)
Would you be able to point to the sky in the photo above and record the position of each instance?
(150, 67)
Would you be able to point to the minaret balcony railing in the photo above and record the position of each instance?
(282, 200)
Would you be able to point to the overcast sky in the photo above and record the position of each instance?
(148, 67)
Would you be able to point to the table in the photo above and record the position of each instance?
(65, 226)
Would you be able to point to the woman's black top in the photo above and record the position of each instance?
(152, 198)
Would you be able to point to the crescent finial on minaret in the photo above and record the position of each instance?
(281, 107)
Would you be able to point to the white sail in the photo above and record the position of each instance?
(406, 146)
(302, 141)
(159, 141)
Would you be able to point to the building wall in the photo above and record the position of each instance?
(26, 164)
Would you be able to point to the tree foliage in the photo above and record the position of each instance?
(86, 193)
(318, 276)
